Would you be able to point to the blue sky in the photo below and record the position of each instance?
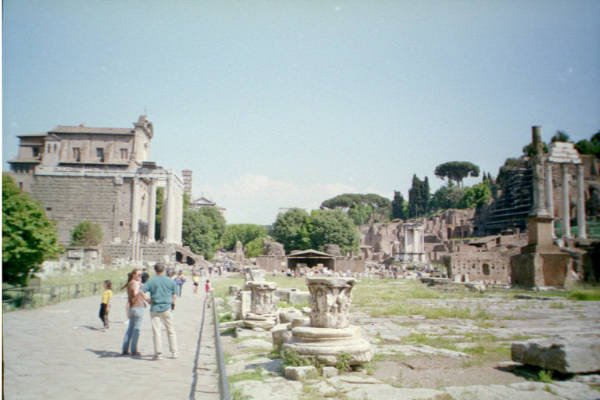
(286, 104)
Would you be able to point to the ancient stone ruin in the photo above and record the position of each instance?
(330, 333)
(262, 310)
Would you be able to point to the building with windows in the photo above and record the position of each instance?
(103, 175)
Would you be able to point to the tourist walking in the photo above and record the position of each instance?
(196, 281)
(179, 281)
(162, 298)
(136, 302)
(105, 303)
(207, 288)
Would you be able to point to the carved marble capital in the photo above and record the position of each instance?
(262, 297)
(330, 300)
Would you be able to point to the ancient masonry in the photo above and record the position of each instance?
(330, 333)
(103, 175)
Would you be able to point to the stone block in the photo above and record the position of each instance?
(328, 372)
(289, 314)
(569, 355)
(281, 334)
(300, 373)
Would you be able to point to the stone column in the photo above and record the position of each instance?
(135, 216)
(262, 297)
(151, 210)
(549, 189)
(169, 211)
(566, 204)
(330, 300)
(581, 225)
(537, 166)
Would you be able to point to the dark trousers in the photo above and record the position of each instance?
(103, 314)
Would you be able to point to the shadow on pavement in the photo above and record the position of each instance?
(104, 353)
(92, 328)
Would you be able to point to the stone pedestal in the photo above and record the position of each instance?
(262, 310)
(330, 333)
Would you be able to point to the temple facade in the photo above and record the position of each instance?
(102, 175)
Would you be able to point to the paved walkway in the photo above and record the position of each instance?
(61, 352)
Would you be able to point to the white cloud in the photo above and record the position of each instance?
(257, 198)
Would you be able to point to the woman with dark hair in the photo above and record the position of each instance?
(136, 300)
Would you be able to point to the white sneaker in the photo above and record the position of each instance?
(173, 355)
(157, 357)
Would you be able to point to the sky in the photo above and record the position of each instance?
(285, 104)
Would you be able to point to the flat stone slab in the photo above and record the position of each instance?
(270, 388)
(568, 355)
(524, 391)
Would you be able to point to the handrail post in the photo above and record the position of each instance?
(223, 381)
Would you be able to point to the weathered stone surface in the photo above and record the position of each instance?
(233, 290)
(330, 301)
(300, 373)
(325, 389)
(256, 343)
(281, 334)
(573, 354)
(299, 297)
(329, 372)
(271, 389)
(289, 314)
(303, 321)
(524, 391)
(366, 388)
(262, 296)
(326, 344)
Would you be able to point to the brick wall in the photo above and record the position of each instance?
(70, 200)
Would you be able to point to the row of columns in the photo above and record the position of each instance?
(566, 204)
(172, 218)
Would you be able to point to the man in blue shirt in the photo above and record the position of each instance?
(162, 296)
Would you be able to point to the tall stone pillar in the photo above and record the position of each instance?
(566, 204)
(539, 203)
(549, 189)
(172, 211)
(581, 225)
(151, 210)
(135, 216)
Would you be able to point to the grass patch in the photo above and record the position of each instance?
(545, 376)
(591, 294)
(253, 375)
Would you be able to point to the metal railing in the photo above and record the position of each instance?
(223, 381)
(15, 298)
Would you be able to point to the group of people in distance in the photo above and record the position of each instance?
(160, 292)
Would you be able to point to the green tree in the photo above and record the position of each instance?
(202, 230)
(456, 171)
(292, 229)
(418, 197)
(255, 247)
(333, 227)
(560, 136)
(591, 146)
(86, 233)
(362, 208)
(476, 196)
(28, 237)
(446, 197)
(398, 206)
(245, 233)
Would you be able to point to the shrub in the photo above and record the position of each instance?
(86, 233)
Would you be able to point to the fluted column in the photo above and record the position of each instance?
(151, 210)
(581, 225)
(566, 204)
(549, 188)
(135, 216)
